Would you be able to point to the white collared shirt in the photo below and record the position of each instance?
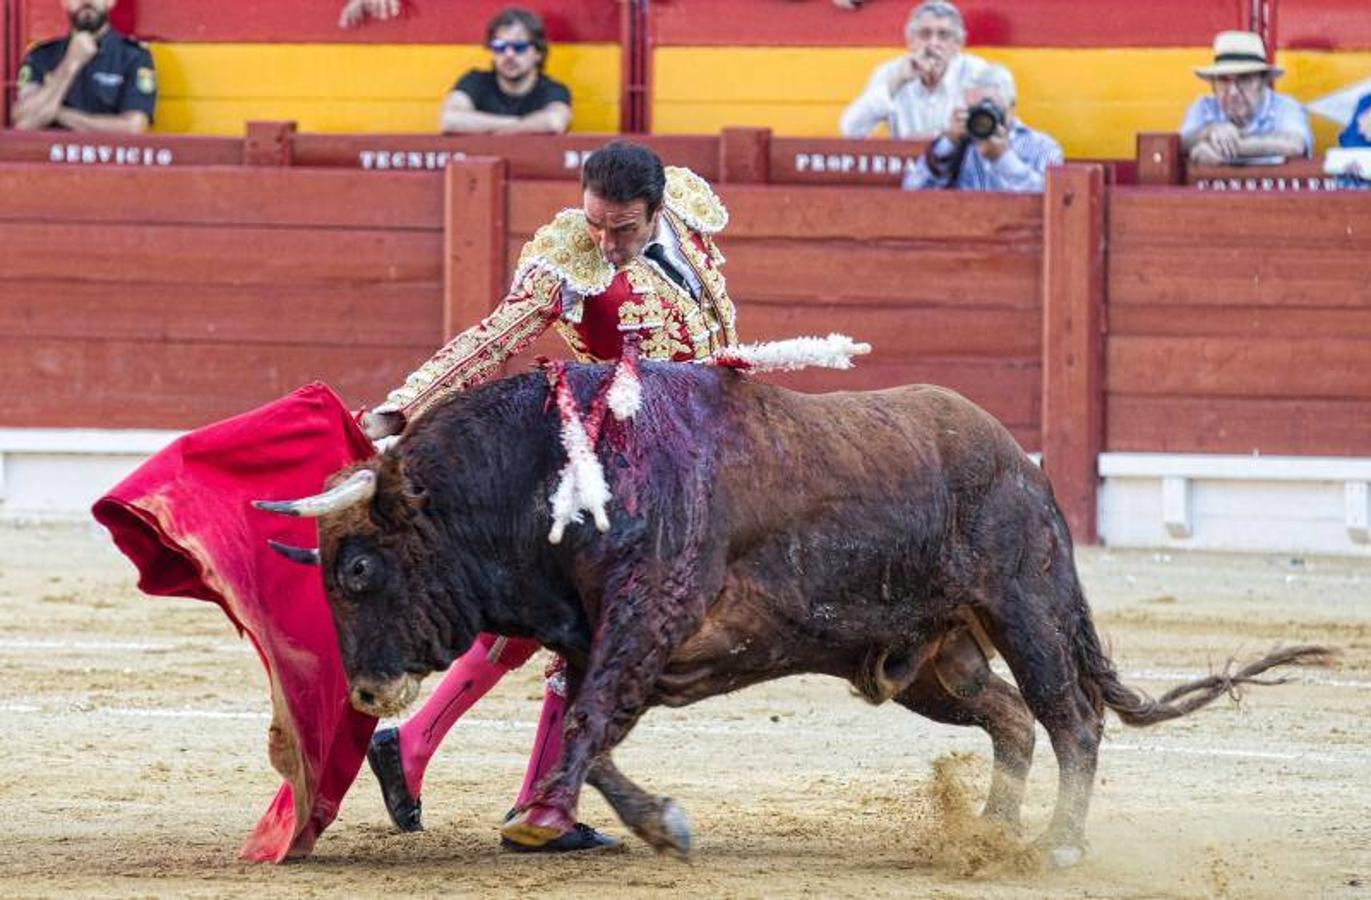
(915, 110)
(666, 236)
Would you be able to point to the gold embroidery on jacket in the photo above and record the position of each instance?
(476, 355)
(692, 199)
(564, 247)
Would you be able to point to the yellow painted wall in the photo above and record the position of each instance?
(1310, 75)
(1094, 101)
(392, 88)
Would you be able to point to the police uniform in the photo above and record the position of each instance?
(681, 310)
(119, 78)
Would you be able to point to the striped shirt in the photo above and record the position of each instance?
(1022, 168)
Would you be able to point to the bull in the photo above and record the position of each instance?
(879, 537)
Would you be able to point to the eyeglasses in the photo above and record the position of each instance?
(942, 34)
(515, 47)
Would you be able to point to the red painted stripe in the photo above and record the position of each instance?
(316, 21)
(1323, 24)
(1023, 23)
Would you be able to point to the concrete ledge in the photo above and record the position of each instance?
(1213, 502)
(57, 473)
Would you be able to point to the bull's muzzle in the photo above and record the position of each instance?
(383, 698)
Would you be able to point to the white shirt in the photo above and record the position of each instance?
(666, 236)
(915, 110)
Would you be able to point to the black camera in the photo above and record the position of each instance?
(984, 119)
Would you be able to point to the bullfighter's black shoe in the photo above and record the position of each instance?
(582, 837)
(405, 810)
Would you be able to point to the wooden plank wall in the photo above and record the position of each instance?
(1239, 323)
(181, 296)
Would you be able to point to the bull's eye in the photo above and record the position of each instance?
(360, 572)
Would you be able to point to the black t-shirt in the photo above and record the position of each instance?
(484, 91)
(118, 78)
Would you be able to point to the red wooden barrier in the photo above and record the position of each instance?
(1239, 323)
(1161, 162)
(70, 148)
(1073, 340)
(188, 294)
(528, 156)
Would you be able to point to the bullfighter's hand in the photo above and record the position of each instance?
(381, 425)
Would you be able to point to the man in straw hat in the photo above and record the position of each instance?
(1244, 121)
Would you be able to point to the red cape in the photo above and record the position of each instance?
(184, 518)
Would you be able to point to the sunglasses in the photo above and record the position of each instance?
(515, 47)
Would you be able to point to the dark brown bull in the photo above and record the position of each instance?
(755, 533)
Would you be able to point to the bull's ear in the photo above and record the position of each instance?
(300, 555)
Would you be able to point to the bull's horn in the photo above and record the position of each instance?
(295, 554)
(359, 487)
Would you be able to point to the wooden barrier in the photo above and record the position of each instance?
(1161, 162)
(168, 298)
(1239, 323)
(188, 275)
(1073, 340)
(735, 155)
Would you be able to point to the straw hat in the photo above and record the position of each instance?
(1238, 53)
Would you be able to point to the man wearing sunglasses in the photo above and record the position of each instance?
(513, 95)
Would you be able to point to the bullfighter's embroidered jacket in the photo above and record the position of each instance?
(563, 280)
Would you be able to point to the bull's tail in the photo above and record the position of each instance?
(1136, 708)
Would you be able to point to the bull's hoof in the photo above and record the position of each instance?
(534, 826)
(1065, 857)
(675, 831)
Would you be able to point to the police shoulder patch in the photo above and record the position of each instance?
(145, 80)
(25, 74)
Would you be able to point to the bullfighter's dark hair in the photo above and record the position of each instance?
(623, 171)
(517, 15)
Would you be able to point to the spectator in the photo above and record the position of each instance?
(513, 95)
(94, 79)
(985, 146)
(914, 94)
(1357, 134)
(1245, 121)
(1358, 130)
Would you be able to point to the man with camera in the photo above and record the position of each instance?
(914, 94)
(94, 79)
(985, 147)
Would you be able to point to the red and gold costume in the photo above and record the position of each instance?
(562, 279)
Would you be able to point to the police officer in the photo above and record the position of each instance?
(94, 79)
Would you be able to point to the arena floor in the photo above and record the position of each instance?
(136, 760)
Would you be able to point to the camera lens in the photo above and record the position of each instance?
(983, 119)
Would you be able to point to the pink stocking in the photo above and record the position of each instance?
(547, 743)
(467, 681)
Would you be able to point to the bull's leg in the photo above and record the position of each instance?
(642, 622)
(1025, 625)
(958, 688)
(657, 820)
